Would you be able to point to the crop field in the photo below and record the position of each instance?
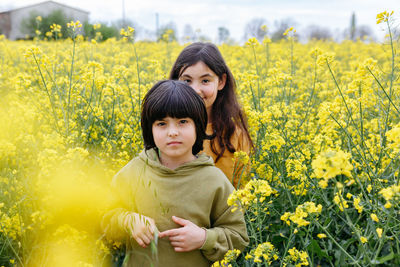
(324, 117)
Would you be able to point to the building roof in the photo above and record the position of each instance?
(45, 2)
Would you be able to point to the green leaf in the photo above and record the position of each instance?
(386, 258)
(315, 248)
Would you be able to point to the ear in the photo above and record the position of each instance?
(221, 82)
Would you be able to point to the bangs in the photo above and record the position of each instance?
(175, 103)
(207, 53)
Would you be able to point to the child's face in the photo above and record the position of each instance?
(175, 138)
(204, 81)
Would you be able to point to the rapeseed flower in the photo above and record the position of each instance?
(383, 16)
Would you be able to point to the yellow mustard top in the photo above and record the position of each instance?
(233, 170)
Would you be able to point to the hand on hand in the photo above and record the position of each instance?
(186, 238)
(140, 227)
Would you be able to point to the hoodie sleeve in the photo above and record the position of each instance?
(228, 229)
(124, 203)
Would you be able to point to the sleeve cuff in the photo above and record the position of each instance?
(211, 238)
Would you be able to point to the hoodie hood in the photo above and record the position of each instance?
(150, 157)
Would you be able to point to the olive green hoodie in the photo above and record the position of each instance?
(196, 191)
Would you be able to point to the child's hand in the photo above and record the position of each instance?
(187, 238)
(141, 228)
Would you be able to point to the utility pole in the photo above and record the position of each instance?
(157, 27)
(123, 14)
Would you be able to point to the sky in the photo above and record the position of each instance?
(207, 15)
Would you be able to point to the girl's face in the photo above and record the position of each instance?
(174, 138)
(204, 81)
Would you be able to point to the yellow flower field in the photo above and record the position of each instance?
(325, 119)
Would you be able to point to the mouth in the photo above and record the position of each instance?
(174, 143)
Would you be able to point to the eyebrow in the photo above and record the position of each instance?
(202, 76)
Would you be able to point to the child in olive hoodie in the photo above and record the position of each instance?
(172, 191)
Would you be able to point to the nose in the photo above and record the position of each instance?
(197, 88)
(172, 131)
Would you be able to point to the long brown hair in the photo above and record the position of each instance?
(226, 112)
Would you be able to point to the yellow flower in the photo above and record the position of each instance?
(357, 205)
(388, 205)
(340, 201)
(331, 163)
(298, 258)
(55, 27)
(369, 188)
(264, 252)
(74, 25)
(383, 16)
(96, 26)
(321, 235)
(241, 156)
(252, 41)
(285, 217)
(363, 239)
(288, 30)
(374, 217)
(379, 232)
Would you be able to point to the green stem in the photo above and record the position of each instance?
(48, 93)
(384, 91)
(70, 87)
(337, 244)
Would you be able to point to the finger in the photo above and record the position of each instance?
(179, 249)
(180, 221)
(176, 244)
(152, 227)
(149, 235)
(176, 238)
(145, 239)
(171, 232)
(128, 221)
(140, 242)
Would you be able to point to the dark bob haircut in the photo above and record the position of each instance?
(173, 99)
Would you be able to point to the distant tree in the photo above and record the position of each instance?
(318, 33)
(146, 34)
(119, 24)
(255, 28)
(396, 34)
(355, 32)
(103, 33)
(188, 34)
(200, 37)
(167, 32)
(352, 29)
(29, 25)
(280, 27)
(364, 31)
(203, 38)
(223, 35)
